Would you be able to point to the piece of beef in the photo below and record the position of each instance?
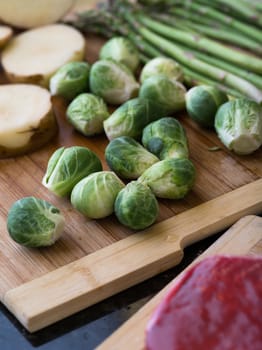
(214, 305)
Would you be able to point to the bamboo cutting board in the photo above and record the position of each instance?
(244, 238)
(96, 259)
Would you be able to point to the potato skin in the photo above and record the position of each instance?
(43, 133)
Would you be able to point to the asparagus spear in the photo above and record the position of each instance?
(221, 17)
(199, 42)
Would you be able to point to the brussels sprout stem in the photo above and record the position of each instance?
(202, 43)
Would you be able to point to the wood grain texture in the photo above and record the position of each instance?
(243, 238)
(218, 173)
(127, 262)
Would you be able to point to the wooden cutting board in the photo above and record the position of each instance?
(243, 238)
(98, 258)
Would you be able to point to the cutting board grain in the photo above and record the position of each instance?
(219, 174)
(243, 238)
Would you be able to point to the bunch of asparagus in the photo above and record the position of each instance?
(203, 36)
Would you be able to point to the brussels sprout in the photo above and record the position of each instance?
(170, 94)
(164, 66)
(94, 196)
(70, 80)
(136, 206)
(33, 222)
(170, 178)
(130, 118)
(166, 138)
(121, 49)
(67, 166)
(113, 81)
(87, 113)
(202, 103)
(128, 158)
(238, 124)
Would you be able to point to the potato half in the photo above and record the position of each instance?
(27, 121)
(33, 13)
(35, 55)
(5, 35)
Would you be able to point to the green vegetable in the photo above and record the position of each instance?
(202, 103)
(130, 118)
(166, 138)
(170, 178)
(239, 125)
(87, 113)
(33, 222)
(128, 158)
(164, 66)
(122, 50)
(113, 81)
(67, 166)
(94, 196)
(168, 93)
(70, 80)
(136, 206)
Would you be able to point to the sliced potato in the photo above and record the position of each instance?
(32, 13)
(5, 34)
(35, 55)
(27, 121)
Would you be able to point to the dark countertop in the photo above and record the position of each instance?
(88, 328)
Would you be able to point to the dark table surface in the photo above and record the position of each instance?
(88, 328)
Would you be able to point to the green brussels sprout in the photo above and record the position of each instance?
(87, 113)
(94, 196)
(166, 138)
(170, 94)
(170, 178)
(130, 118)
(70, 80)
(67, 166)
(164, 66)
(202, 103)
(33, 222)
(128, 158)
(121, 49)
(136, 206)
(238, 124)
(113, 81)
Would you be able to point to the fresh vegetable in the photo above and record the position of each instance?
(131, 117)
(136, 206)
(33, 222)
(166, 30)
(168, 93)
(70, 80)
(27, 121)
(164, 66)
(5, 35)
(87, 113)
(67, 166)
(95, 195)
(239, 125)
(202, 103)
(128, 158)
(170, 178)
(35, 55)
(166, 138)
(122, 50)
(31, 13)
(112, 81)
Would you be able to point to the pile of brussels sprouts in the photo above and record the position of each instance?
(147, 145)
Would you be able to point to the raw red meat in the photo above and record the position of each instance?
(215, 305)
